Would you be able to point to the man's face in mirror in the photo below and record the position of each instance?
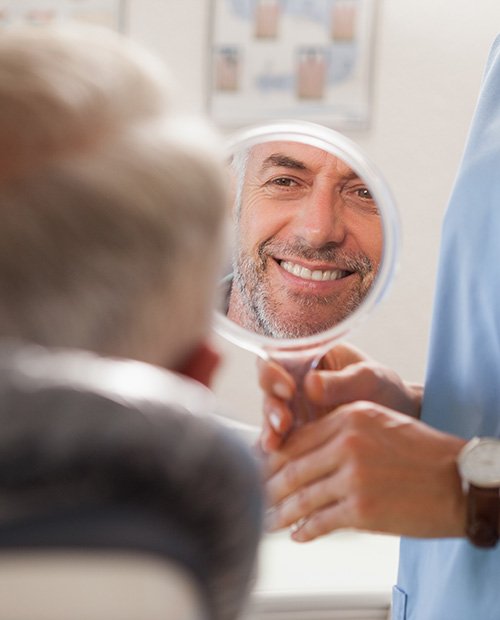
(309, 240)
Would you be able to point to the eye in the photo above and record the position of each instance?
(284, 182)
(364, 193)
(360, 197)
(285, 187)
(360, 194)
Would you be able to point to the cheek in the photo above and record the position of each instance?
(260, 222)
(376, 247)
(369, 238)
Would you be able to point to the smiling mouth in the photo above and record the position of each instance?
(318, 275)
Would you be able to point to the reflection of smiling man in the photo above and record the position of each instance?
(309, 240)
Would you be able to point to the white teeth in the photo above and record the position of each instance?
(317, 274)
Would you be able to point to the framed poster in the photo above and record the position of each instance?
(109, 13)
(304, 59)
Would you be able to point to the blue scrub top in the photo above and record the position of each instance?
(449, 579)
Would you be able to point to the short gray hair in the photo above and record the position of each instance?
(239, 163)
(111, 203)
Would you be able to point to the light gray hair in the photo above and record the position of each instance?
(111, 202)
(239, 163)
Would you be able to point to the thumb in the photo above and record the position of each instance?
(332, 388)
(342, 355)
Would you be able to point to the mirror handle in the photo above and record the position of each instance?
(302, 408)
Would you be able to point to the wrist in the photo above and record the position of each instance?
(479, 468)
(415, 393)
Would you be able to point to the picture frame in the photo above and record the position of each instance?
(301, 59)
(108, 13)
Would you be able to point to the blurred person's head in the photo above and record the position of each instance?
(111, 202)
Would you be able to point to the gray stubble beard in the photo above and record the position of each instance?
(267, 314)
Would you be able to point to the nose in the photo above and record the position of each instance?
(322, 218)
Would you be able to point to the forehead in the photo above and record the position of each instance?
(263, 157)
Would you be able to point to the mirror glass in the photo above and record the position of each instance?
(314, 238)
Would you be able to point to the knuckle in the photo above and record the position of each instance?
(325, 489)
(363, 507)
(351, 442)
(303, 501)
(368, 373)
(375, 378)
(356, 414)
(360, 415)
(358, 477)
(372, 376)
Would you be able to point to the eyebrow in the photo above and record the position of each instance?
(351, 175)
(278, 160)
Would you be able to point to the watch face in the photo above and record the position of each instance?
(479, 462)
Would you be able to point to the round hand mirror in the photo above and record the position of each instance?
(315, 236)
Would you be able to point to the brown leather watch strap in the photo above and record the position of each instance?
(483, 509)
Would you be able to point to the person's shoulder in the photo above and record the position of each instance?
(30, 367)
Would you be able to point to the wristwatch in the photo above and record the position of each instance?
(479, 468)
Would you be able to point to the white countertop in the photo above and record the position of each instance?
(346, 575)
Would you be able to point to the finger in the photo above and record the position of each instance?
(331, 389)
(275, 380)
(277, 415)
(301, 441)
(310, 469)
(324, 521)
(277, 422)
(268, 441)
(305, 502)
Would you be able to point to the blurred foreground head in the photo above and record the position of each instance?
(111, 202)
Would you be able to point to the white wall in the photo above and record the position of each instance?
(429, 60)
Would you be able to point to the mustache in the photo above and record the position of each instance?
(329, 253)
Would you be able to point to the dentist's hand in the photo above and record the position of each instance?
(367, 467)
(345, 375)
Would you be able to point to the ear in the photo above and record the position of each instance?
(201, 364)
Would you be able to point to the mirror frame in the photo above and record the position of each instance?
(339, 146)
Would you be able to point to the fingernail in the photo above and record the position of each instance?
(298, 536)
(297, 530)
(282, 390)
(275, 421)
(264, 438)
